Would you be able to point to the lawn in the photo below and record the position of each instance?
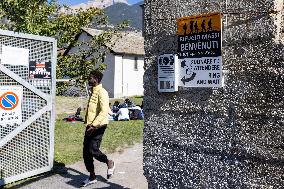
(70, 104)
(69, 138)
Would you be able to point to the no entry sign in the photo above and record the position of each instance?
(9, 101)
(10, 105)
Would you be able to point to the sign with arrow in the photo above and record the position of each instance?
(199, 50)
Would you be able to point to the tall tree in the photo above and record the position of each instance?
(48, 18)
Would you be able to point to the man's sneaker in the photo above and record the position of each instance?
(88, 182)
(110, 171)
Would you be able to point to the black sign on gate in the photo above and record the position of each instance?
(40, 70)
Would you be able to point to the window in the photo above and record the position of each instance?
(136, 64)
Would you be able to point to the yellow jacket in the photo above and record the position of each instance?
(97, 112)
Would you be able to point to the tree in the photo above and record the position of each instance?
(46, 18)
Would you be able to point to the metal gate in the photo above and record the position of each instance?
(27, 148)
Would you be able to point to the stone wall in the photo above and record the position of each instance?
(282, 35)
(232, 137)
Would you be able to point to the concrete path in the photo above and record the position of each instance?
(128, 174)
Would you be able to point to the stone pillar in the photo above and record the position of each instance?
(232, 137)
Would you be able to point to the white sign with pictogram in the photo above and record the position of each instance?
(10, 105)
(168, 73)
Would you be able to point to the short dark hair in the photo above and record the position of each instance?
(97, 74)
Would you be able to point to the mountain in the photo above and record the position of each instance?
(121, 11)
(98, 3)
(117, 11)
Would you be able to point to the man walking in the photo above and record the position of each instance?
(96, 121)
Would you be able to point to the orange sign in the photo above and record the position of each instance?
(199, 24)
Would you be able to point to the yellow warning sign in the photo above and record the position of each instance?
(200, 50)
(199, 24)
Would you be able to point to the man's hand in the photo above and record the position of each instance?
(89, 130)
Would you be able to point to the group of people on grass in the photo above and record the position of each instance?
(125, 111)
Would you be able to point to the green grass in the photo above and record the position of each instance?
(69, 138)
(70, 104)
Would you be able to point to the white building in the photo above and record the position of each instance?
(125, 64)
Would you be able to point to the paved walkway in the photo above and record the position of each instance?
(128, 174)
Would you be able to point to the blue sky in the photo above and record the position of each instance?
(74, 2)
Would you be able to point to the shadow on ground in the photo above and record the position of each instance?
(75, 178)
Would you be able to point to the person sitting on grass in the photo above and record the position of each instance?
(129, 103)
(123, 105)
(115, 107)
(136, 113)
(123, 114)
(111, 115)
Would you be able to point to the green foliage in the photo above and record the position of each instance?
(46, 18)
(61, 87)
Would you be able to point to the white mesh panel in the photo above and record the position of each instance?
(30, 149)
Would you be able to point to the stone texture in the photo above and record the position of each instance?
(231, 137)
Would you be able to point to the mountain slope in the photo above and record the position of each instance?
(121, 11)
(98, 4)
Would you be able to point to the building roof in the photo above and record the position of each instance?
(128, 43)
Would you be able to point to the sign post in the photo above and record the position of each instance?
(199, 50)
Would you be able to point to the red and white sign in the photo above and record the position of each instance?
(10, 105)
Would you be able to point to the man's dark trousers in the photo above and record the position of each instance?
(91, 147)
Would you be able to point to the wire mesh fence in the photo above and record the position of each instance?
(26, 149)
